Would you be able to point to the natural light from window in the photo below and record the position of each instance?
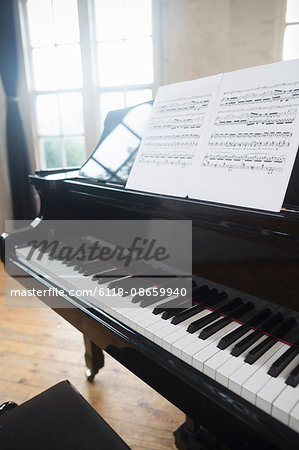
(118, 62)
(291, 35)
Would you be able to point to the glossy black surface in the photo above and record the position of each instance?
(191, 391)
(254, 252)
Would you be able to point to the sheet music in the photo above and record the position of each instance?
(165, 158)
(250, 146)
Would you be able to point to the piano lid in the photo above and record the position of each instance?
(115, 153)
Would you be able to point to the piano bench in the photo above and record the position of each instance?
(58, 418)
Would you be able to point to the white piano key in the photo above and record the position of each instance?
(160, 334)
(182, 343)
(284, 404)
(240, 379)
(201, 357)
(294, 418)
(181, 330)
(251, 381)
(226, 370)
(212, 365)
(152, 330)
(273, 387)
(194, 349)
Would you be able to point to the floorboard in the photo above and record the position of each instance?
(38, 349)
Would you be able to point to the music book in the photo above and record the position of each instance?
(231, 138)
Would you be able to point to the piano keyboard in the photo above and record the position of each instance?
(253, 364)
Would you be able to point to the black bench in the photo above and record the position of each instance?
(58, 418)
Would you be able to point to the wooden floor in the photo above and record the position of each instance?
(39, 349)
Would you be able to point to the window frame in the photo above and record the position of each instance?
(91, 90)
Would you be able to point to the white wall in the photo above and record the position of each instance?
(205, 37)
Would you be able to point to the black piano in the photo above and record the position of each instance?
(233, 369)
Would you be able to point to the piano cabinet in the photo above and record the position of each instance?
(239, 253)
(230, 246)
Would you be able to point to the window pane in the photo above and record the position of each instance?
(138, 18)
(292, 11)
(110, 101)
(138, 96)
(111, 63)
(139, 61)
(40, 22)
(290, 44)
(74, 151)
(69, 63)
(52, 152)
(109, 19)
(66, 21)
(71, 113)
(45, 68)
(47, 115)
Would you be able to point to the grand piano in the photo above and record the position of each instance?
(230, 359)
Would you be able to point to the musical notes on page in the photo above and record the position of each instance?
(172, 139)
(250, 161)
(278, 115)
(282, 93)
(256, 140)
(252, 138)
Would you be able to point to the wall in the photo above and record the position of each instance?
(205, 37)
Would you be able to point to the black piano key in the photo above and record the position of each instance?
(293, 378)
(170, 312)
(231, 337)
(136, 284)
(264, 346)
(234, 335)
(86, 264)
(203, 321)
(140, 269)
(249, 340)
(259, 317)
(200, 290)
(107, 273)
(107, 279)
(216, 326)
(93, 268)
(205, 294)
(152, 300)
(259, 350)
(174, 303)
(100, 269)
(186, 314)
(150, 296)
(282, 362)
(245, 343)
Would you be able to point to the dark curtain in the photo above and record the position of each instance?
(17, 150)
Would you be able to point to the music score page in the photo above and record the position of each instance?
(247, 155)
(179, 120)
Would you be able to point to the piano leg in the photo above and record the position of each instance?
(94, 358)
(192, 436)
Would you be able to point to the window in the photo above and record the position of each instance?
(291, 35)
(83, 58)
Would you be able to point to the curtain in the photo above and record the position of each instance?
(17, 150)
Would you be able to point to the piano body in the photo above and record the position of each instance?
(254, 254)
